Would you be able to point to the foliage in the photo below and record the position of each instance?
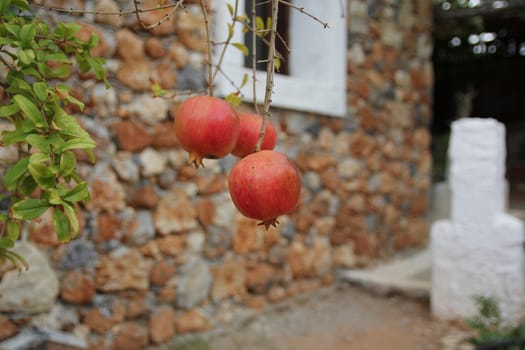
(489, 324)
(36, 58)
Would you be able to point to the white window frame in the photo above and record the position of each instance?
(317, 62)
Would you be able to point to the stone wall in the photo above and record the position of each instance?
(163, 251)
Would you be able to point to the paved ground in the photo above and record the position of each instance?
(345, 317)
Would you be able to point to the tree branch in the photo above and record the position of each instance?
(270, 71)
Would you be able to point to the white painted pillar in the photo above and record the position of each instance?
(479, 251)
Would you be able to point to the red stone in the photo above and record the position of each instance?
(77, 288)
(161, 326)
(131, 136)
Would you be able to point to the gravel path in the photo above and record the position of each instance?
(344, 317)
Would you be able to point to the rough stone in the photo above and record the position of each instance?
(131, 135)
(7, 328)
(135, 74)
(149, 109)
(175, 213)
(145, 197)
(164, 137)
(161, 324)
(101, 319)
(179, 54)
(142, 230)
(154, 47)
(247, 236)
(105, 100)
(152, 162)
(130, 336)
(78, 254)
(106, 191)
(276, 294)
(194, 282)
(102, 6)
(161, 272)
(130, 46)
(125, 166)
(29, 291)
(190, 29)
(77, 288)
(171, 245)
(228, 279)
(192, 321)
(113, 273)
(162, 21)
(259, 278)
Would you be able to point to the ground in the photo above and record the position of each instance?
(343, 317)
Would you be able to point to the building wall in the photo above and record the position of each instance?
(163, 250)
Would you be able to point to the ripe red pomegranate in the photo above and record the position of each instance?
(250, 127)
(206, 127)
(264, 185)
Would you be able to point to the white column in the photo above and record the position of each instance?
(479, 251)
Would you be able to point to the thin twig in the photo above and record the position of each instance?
(228, 40)
(270, 71)
(303, 11)
(116, 13)
(208, 41)
(166, 17)
(254, 61)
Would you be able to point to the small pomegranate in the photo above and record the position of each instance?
(250, 127)
(264, 185)
(206, 127)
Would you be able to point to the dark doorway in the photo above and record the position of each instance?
(479, 71)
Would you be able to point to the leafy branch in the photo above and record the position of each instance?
(45, 176)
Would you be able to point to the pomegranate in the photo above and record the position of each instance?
(206, 127)
(250, 127)
(264, 185)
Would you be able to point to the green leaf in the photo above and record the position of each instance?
(277, 63)
(6, 243)
(13, 29)
(10, 137)
(76, 144)
(21, 4)
(27, 34)
(68, 125)
(41, 90)
(43, 175)
(97, 65)
(73, 220)
(91, 156)
(59, 57)
(30, 208)
(73, 100)
(269, 23)
(259, 26)
(9, 110)
(243, 48)
(68, 162)
(60, 72)
(39, 142)
(24, 57)
(30, 110)
(14, 173)
(234, 99)
(244, 80)
(13, 230)
(62, 227)
(27, 186)
(230, 9)
(78, 193)
(230, 31)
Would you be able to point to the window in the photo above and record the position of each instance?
(315, 79)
